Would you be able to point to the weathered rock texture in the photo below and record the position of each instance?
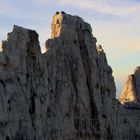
(22, 86)
(81, 86)
(67, 93)
(130, 109)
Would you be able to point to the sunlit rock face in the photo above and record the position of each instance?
(0, 46)
(67, 93)
(131, 90)
(129, 112)
(128, 93)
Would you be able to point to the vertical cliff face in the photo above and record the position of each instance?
(67, 93)
(21, 85)
(130, 108)
(82, 88)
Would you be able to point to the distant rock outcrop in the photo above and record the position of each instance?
(67, 93)
(131, 90)
(130, 108)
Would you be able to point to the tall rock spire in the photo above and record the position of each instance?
(81, 82)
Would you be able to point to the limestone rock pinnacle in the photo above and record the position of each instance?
(68, 26)
(131, 90)
(83, 80)
(129, 110)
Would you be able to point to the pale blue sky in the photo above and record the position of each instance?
(115, 23)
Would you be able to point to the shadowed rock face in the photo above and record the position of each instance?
(21, 86)
(81, 86)
(67, 93)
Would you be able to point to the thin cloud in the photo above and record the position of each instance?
(42, 2)
(5, 7)
(104, 7)
(109, 7)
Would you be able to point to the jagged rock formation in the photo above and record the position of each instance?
(130, 109)
(81, 85)
(67, 93)
(22, 86)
